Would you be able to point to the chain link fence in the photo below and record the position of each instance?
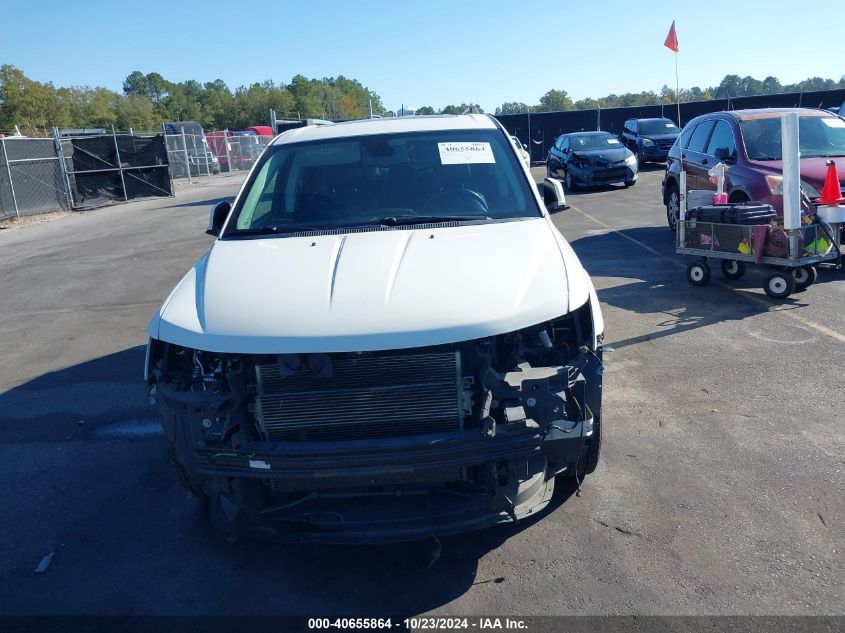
(236, 152)
(107, 168)
(31, 177)
(189, 156)
(81, 171)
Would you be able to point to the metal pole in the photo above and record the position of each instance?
(226, 145)
(677, 90)
(205, 152)
(9, 171)
(530, 138)
(62, 166)
(119, 166)
(791, 156)
(185, 149)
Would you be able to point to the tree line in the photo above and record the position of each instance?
(730, 87)
(149, 99)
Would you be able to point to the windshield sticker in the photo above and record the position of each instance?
(465, 153)
(613, 141)
(831, 122)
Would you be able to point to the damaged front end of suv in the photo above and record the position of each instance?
(381, 446)
(388, 340)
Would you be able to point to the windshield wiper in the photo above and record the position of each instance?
(273, 229)
(401, 220)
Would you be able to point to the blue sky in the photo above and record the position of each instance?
(426, 52)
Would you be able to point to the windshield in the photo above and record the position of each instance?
(384, 179)
(662, 126)
(593, 141)
(817, 136)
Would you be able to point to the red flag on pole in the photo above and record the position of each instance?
(672, 39)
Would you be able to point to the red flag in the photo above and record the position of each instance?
(672, 39)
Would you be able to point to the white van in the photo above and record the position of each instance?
(389, 339)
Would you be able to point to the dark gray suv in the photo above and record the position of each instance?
(649, 139)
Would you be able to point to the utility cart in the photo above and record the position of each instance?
(791, 253)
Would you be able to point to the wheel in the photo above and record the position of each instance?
(630, 183)
(779, 285)
(569, 182)
(804, 276)
(698, 274)
(673, 207)
(733, 269)
(640, 160)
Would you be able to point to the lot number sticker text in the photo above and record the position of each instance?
(465, 153)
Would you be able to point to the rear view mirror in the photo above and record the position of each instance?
(219, 213)
(553, 196)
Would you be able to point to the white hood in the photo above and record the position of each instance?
(373, 290)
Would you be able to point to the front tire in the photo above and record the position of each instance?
(673, 207)
(698, 274)
(779, 285)
(804, 276)
(569, 182)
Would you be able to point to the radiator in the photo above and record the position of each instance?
(366, 397)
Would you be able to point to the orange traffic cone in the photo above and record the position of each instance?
(831, 193)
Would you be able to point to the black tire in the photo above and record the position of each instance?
(640, 160)
(804, 276)
(630, 183)
(673, 206)
(779, 285)
(698, 274)
(733, 269)
(569, 183)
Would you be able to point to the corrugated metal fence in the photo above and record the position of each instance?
(539, 130)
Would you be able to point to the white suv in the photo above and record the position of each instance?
(389, 339)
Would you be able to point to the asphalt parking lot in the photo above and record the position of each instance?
(719, 491)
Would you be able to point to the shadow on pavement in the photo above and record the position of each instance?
(657, 286)
(86, 475)
(202, 203)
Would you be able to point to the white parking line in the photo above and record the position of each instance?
(786, 311)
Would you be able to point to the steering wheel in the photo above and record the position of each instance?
(464, 200)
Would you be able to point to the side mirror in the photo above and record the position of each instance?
(525, 147)
(219, 213)
(553, 196)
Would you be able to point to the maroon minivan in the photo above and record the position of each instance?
(749, 142)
